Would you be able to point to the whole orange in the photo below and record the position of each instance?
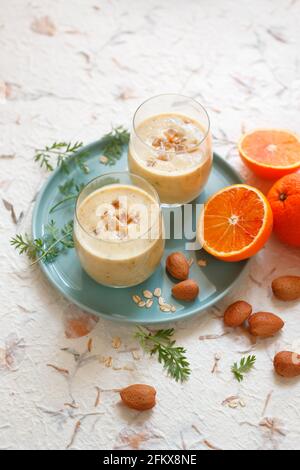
(284, 198)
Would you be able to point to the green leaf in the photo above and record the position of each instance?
(65, 154)
(246, 364)
(170, 356)
(47, 248)
(114, 143)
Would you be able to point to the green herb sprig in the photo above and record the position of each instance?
(48, 247)
(246, 364)
(70, 190)
(114, 143)
(172, 357)
(64, 153)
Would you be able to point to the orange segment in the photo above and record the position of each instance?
(270, 153)
(236, 223)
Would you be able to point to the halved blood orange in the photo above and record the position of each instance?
(270, 153)
(236, 223)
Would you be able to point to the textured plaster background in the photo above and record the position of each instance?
(70, 76)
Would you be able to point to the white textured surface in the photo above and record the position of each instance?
(241, 60)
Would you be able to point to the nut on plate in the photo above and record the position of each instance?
(186, 290)
(178, 266)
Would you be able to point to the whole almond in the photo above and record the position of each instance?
(287, 364)
(286, 287)
(237, 313)
(186, 290)
(265, 324)
(178, 266)
(139, 396)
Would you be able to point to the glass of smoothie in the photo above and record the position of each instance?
(118, 229)
(170, 146)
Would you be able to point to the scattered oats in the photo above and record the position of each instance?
(157, 292)
(149, 303)
(126, 94)
(147, 294)
(129, 368)
(142, 304)
(44, 26)
(116, 342)
(217, 357)
(233, 404)
(107, 361)
(136, 355)
(230, 399)
(136, 299)
(161, 301)
(165, 308)
(202, 263)
(173, 308)
(242, 403)
(103, 159)
(190, 262)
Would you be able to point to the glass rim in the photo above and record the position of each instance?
(111, 174)
(178, 95)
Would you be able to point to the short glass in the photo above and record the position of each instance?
(180, 172)
(124, 261)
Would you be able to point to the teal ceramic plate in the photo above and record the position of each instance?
(66, 274)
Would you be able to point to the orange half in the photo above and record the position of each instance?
(270, 153)
(236, 223)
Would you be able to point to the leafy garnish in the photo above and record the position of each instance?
(246, 364)
(48, 247)
(63, 155)
(64, 152)
(113, 144)
(67, 232)
(70, 190)
(24, 244)
(172, 357)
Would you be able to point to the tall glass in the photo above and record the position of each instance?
(175, 163)
(131, 256)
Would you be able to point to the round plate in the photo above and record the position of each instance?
(65, 273)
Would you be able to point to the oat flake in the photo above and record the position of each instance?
(157, 292)
(136, 299)
(116, 342)
(147, 294)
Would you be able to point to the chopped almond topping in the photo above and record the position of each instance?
(116, 204)
(157, 142)
(151, 163)
(122, 216)
(180, 148)
(164, 157)
(173, 134)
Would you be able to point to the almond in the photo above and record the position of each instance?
(178, 266)
(139, 396)
(265, 324)
(286, 287)
(186, 290)
(237, 313)
(287, 364)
